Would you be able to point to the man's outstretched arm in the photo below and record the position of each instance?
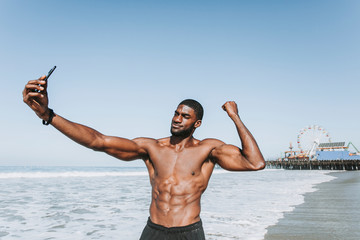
(233, 158)
(121, 148)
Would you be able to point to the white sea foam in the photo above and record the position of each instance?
(113, 203)
(243, 205)
(68, 174)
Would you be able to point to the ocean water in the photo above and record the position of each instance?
(112, 203)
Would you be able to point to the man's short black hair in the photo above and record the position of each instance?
(198, 109)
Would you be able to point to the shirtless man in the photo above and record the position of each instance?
(179, 166)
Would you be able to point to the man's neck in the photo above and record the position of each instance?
(179, 142)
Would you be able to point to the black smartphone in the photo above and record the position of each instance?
(49, 73)
(47, 76)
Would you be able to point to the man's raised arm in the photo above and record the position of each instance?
(121, 148)
(233, 158)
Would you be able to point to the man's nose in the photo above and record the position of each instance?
(178, 119)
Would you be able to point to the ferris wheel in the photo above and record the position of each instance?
(309, 138)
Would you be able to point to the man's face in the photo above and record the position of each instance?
(184, 121)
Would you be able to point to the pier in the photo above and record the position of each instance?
(349, 165)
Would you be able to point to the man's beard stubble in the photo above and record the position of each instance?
(184, 133)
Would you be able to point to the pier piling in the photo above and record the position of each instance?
(349, 165)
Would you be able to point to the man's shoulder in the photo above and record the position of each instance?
(146, 140)
(211, 142)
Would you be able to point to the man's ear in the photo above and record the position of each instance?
(197, 123)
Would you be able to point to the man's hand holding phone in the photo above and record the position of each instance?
(35, 96)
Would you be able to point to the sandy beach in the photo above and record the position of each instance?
(332, 212)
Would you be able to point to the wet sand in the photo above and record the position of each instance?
(332, 212)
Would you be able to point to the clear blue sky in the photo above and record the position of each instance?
(123, 66)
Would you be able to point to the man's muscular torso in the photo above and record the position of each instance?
(179, 166)
(178, 178)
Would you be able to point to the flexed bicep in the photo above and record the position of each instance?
(233, 158)
(230, 157)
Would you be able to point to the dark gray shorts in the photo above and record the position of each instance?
(154, 231)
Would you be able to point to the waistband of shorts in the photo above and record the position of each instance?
(187, 228)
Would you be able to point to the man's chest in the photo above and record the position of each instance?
(168, 161)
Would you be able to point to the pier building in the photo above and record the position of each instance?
(317, 152)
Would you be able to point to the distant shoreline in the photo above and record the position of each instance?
(332, 212)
